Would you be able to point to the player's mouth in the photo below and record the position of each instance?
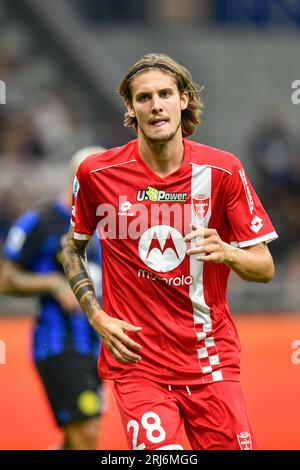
(158, 122)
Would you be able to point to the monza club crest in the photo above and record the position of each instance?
(244, 440)
(201, 205)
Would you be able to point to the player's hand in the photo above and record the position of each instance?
(208, 245)
(112, 331)
(63, 294)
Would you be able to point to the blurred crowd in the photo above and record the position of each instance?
(274, 154)
(46, 118)
(40, 129)
(222, 12)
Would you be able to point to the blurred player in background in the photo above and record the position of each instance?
(65, 347)
(174, 217)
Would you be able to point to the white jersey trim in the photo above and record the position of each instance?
(212, 166)
(80, 236)
(265, 238)
(72, 223)
(112, 166)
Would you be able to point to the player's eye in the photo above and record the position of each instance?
(143, 98)
(165, 93)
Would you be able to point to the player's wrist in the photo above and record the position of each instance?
(98, 318)
(232, 254)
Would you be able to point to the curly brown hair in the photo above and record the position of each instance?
(190, 117)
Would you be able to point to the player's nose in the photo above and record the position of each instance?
(156, 105)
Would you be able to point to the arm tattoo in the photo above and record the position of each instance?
(79, 279)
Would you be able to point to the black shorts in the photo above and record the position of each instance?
(73, 387)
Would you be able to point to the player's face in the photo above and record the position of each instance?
(157, 105)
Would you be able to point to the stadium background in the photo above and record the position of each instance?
(61, 62)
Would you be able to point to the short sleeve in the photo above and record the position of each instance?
(247, 218)
(83, 217)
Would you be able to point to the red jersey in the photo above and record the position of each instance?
(188, 335)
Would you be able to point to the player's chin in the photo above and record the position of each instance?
(161, 138)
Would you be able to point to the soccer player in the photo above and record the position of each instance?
(174, 218)
(65, 347)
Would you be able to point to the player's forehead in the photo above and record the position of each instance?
(152, 80)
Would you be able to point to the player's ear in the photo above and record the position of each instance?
(130, 109)
(184, 100)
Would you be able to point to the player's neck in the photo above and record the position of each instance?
(162, 158)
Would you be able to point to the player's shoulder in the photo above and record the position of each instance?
(112, 157)
(27, 220)
(202, 154)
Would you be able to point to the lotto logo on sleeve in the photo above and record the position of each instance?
(256, 224)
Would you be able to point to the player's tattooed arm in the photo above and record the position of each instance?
(76, 271)
(112, 330)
